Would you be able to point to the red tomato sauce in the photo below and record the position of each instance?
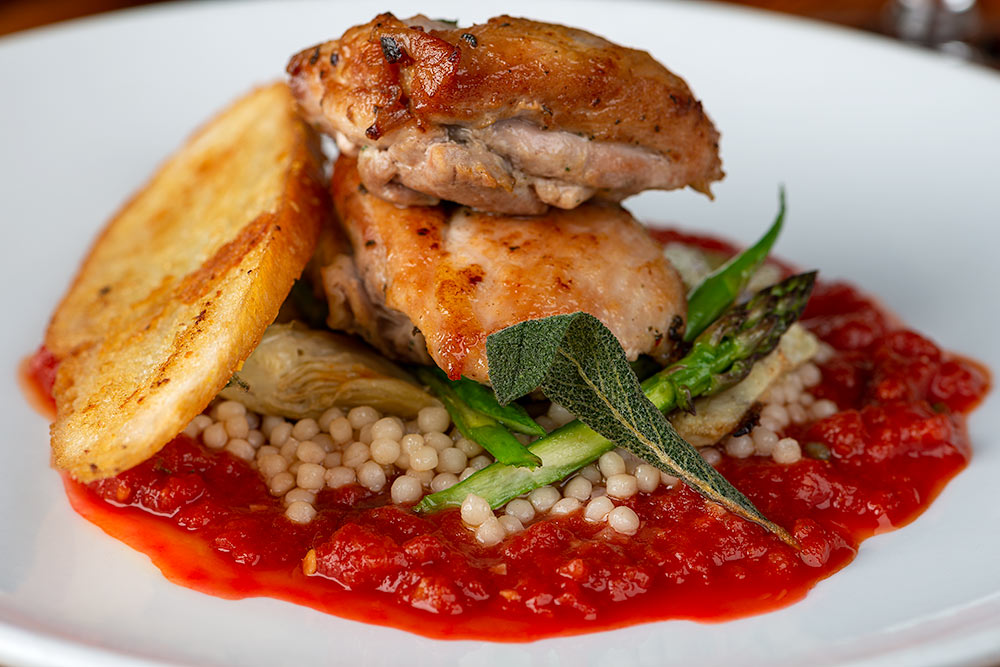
(208, 522)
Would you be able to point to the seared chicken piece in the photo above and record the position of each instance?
(509, 116)
(440, 279)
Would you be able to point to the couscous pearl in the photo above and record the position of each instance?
(740, 447)
(305, 429)
(269, 422)
(822, 409)
(310, 452)
(667, 479)
(264, 450)
(271, 464)
(467, 473)
(365, 434)
(469, 447)
(300, 512)
(411, 443)
(325, 441)
(241, 449)
(339, 476)
(579, 487)
(387, 428)
(787, 451)
(592, 473)
(433, 419)
(215, 436)
(371, 476)
(452, 459)
(443, 481)
(202, 422)
(510, 524)
(300, 495)
(793, 385)
(475, 510)
(438, 440)
(253, 420)
(229, 409)
(256, 438)
(280, 433)
(356, 454)
(385, 450)
(796, 413)
(807, 399)
(425, 458)
(332, 460)
(546, 423)
(598, 491)
(622, 486)
(490, 532)
(647, 477)
(520, 509)
(711, 455)
(480, 462)
(764, 440)
(770, 424)
(281, 483)
(776, 413)
(623, 520)
(289, 449)
(565, 506)
(406, 490)
(597, 509)
(362, 416)
(810, 375)
(402, 461)
(341, 430)
(611, 463)
(560, 415)
(294, 466)
(543, 498)
(425, 476)
(192, 430)
(310, 476)
(237, 427)
(411, 426)
(775, 395)
(328, 417)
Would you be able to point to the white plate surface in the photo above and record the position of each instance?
(891, 158)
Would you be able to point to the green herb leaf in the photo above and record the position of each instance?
(721, 289)
(477, 426)
(580, 364)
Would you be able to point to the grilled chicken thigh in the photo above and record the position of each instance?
(440, 279)
(509, 116)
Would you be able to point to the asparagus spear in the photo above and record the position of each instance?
(718, 291)
(720, 357)
(478, 426)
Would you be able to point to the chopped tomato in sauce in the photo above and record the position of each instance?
(208, 522)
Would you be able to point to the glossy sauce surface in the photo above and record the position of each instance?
(207, 521)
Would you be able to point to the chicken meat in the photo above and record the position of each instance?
(432, 282)
(509, 116)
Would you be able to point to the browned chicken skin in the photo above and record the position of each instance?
(440, 279)
(508, 116)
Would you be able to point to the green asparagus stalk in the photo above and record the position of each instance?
(721, 289)
(478, 426)
(719, 358)
(482, 399)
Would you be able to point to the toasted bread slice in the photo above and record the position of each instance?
(180, 285)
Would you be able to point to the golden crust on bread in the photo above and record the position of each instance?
(180, 286)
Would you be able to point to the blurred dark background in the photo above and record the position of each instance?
(965, 28)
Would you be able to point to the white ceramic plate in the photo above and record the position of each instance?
(891, 158)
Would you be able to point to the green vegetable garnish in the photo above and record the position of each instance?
(478, 426)
(721, 289)
(581, 363)
(480, 397)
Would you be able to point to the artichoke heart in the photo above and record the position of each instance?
(297, 372)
